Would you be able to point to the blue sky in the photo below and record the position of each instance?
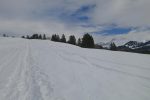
(109, 17)
(113, 31)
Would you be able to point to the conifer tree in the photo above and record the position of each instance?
(40, 36)
(44, 37)
(72, 40)
(79, 42)
(34, 36)
(4, 35)
(63, 39)
(87, 41)
(22, 36)
(55, 38)
(27, 37)
(113, 46)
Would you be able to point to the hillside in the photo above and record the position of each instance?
(45, 70)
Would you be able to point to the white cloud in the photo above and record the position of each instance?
(30, 16)
(29, 26)
(124, 13)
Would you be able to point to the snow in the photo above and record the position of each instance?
(45, 70)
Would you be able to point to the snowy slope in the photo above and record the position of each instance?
(45, 70)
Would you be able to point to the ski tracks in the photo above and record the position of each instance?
(26, 81)
(42, 86)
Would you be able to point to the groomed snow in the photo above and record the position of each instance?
(45, 70)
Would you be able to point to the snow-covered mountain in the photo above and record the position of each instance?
(104, 45)
(118, 41)
(131, 46)
(134, 44)
(121, 39)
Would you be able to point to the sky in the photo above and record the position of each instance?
(100, 18)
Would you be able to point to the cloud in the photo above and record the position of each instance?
(27, 16)
(123, 13)
(24, 27)
(73, 16)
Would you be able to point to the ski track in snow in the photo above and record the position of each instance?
(23, 80)
(44, 70)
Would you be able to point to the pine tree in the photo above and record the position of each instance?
(79, 42)
(63, 39)
(44, 37)
(72, 40)
(55, 38)
(113, 46)
(34, 36)
(27, 37)
(22, 36)
(4, 35)
(40, 36)
(87, 41)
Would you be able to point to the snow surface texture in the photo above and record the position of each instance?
(45, 70)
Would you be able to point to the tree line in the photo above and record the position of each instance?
(36, 36)
(86, 41)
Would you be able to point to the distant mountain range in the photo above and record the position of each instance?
(134, 46)
(130, 46)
